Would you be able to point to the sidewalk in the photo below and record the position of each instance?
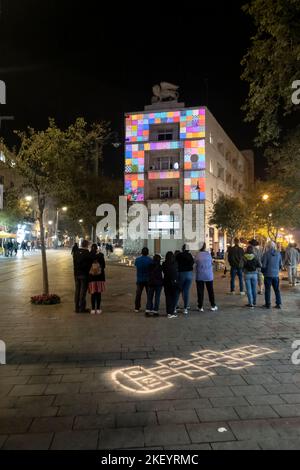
(58, 390)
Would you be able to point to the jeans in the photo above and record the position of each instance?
(171, 295)
(251, 283)
(274, 282)
(210, 291)
(139, 290)
(81, 286)
(96, 300)
(233, 273)
(292, 274)
(153, 291)
(185, 282)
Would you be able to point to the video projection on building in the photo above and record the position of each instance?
(191, 124)
(134, 186)
(194, 186)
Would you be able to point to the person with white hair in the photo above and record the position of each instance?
(291, 261)
(271, 265)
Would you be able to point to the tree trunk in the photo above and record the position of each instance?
(43, 251)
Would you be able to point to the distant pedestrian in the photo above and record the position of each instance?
(226, 264)
(82, 265)
(291, 261)
(96, 279)
(75, 248)
(16, 246)
(258, 252)
(23, 247)
(142, 264)
(170, 270)
(251, 266)
(155, 284)
(271, 265)
(185, 263)
(235, 258)
(32, 245)
(205, 277)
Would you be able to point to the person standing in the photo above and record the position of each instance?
(82, 264)
(251, 266)
(154, 286)
(185, 263)
(291, 261)
(205, 277)
(96, 278)
(142, 264)
(75, 248)
(271, 265)
(235, 258)
(170, 270)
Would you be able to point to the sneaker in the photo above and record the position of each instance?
(200, 309)
(214, 309)
(266, 306)
(137, 310)
(185, 311)
(148, 311)
(155, 313)
(231, 293)
(98, 312)
(93, 312)
(259, 292)
(173, 315)
(242, 293)
(251, 306)
(278, 306)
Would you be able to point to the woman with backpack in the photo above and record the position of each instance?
(170, 270)
(251, 266)
(155, 284)
(96, 279)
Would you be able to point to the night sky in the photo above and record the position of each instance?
(64, 59)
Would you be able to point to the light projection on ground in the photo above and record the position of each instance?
(141, 380)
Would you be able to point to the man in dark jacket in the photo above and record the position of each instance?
(82, 265)
(235, 259)
(271, 265)
(142, 264)
(185, 262)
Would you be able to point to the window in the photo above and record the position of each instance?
(165, 193)
(221, 148)
(211, 140)
(221, 172)
(165, 135)
(1, 179)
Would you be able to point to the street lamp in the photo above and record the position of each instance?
(80, 221)
(64, 209)
(265, 197)
(28, 198)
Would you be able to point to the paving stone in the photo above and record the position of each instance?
(259, 411)
(228, 401)
(52, 424)
(27, 390)
(103, 408)
(75, 440)
(216, 414)
(94, 422)
(282, 388)
(127, 420)
(122, 438)
(13, 380)
(235, 445)
(12, 425)
(78, 410)
(69, 378)
(229, 380)
(291, 397)
(208, 432)
(279, 444)
(155, 405)
(248, 390)
(28, 442)
(286, 411)
(166, 435)
(177, 417)
(189, 447)
(42, 401)
(62, 389)
(260, 379)
(205, 392)
(44, 379)
(264, 400)
(246, 430)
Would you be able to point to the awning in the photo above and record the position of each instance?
(7, 235)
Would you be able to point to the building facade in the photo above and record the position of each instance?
(179, 155)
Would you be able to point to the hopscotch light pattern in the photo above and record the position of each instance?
(141, 380)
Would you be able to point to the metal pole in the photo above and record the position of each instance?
(56, 228)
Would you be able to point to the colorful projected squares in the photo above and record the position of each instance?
(156, 175)
(134, 187)
(194, 155)
(194, 186)
(192, 123)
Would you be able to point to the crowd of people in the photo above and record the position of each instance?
(11, 247)
(256, 268)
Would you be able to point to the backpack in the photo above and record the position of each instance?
(250, 264)
(95, 269)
